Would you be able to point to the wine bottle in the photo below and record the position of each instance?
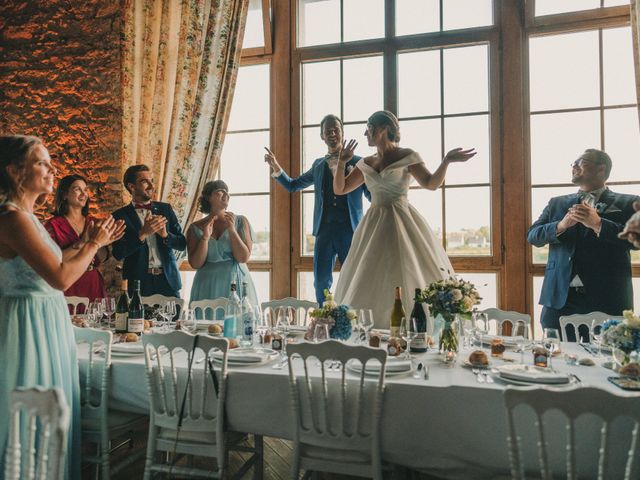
(397, 314)
(233, 315)
(418, 320)
(247, 318)
(135, 322)
(122, 309)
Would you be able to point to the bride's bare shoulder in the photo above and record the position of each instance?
(404, 152)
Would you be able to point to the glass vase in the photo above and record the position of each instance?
(449, 339)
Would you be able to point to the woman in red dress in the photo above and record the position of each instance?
(69, 229)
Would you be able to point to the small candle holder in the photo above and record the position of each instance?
(449, 358)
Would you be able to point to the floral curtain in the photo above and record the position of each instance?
(180, 63)
(635, 13)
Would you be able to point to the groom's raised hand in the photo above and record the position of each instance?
(270, 158)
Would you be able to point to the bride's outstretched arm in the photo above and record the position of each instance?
(432, 181)
(342, 185)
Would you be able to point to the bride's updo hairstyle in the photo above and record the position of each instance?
(207, 190)
(14, 150)
(388, 120)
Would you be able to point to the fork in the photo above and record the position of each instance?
(487, 378)
(280, 365)
(478, 374)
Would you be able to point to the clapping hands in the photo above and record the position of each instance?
(631, 230)
(154, 224)
(105, 232)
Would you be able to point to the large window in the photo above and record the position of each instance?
(352, 60)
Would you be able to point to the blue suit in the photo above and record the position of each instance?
(333, 226)
(602, 262)
(136, 253)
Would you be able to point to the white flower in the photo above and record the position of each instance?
(630, 319)
(351, 314)
(456, 294)
(331, 304)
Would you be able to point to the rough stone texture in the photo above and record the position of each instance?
(60, 80)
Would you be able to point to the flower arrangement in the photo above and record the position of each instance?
(623, 335)
(337, 317)
(448, 298)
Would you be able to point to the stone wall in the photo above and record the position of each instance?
(60, 80)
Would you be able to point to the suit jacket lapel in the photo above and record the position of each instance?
(135, 219)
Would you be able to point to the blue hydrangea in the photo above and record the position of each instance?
(341, 330)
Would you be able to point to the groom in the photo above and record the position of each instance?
(335, 217)
(589, 267)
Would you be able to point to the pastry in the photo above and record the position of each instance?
(131, 337)
(233, 343)
(630, 370)
(478, 357)
(215, 329)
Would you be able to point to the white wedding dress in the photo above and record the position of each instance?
(392, 246)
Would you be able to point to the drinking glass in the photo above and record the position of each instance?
(108, 309)
(551, 341)
(167, 312)
(408, 332)
(320, 332)
(188, 322)
(283, 322)
(91, 319)
(596, 335)
(481, 326)
(365, 320)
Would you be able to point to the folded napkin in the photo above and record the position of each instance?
(532, 374)
(127, 347)
(241, 355)
(204, 324)
(298, 328)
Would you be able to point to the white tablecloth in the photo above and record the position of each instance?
(450, 425)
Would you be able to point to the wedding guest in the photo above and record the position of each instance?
(153, 233)
(37, 345)
(69, 228)
(589, 267)
(335, 217)
(219, 247)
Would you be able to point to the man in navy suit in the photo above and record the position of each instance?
(589, 267)
(335, 217)
(152, 233)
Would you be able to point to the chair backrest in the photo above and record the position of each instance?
(94, 380)
(299, 308)
(166, 365)
(215, 308)
(558, 411)
(74, 302)
(160, 300)
(38, 426)
(337, 413)
(583, 320)
(508, 322)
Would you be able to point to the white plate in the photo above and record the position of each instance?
(572, 381)
(127, 348)
(468, 364)
(356, 367)
(532, 374)
(246, 356)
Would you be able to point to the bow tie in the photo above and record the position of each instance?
(143, 206)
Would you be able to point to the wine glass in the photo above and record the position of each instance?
(365, 319)
(551, 341)
(283, 322)
(481, 326)
(108, 309)
(187, 321)
(596, 335)
(167, 311)
(408, 333)
(320, 332)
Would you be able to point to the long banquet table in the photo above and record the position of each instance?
(449, 425)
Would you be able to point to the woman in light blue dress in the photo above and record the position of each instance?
(219, 247)
(37, 346)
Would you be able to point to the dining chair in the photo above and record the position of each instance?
(553, 439)
(188, 407)
(38, 417)
(585, 320)
(102, 425)
(218, 307)
(508, 323)
(300, 308)
(337, 420)
(74, 302)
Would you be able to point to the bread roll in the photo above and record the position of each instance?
(215, 329)
(131, 337)
(478, 357)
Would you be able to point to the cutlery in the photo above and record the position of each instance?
(280, 365)
(575, 377)
(587, 347)
(487, 378)
(418, 372)
(426, 372)
(478, 374)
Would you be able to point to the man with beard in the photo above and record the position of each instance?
(152, 233)
(589, 267)
(335, 217)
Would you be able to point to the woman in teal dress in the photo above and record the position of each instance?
(37, 346)
(219, 247)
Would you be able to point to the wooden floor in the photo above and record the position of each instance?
(278, 456)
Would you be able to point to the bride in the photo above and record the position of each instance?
(393, 245)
